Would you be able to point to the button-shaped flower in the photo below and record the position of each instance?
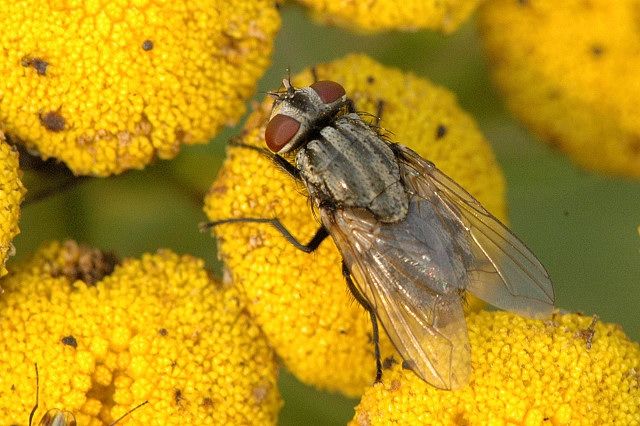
(571, 370)
(107, 86)
(384, 15)
(571, 71)
(156, 328)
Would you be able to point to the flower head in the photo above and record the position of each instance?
(571, 370)
(300, 300)
(11, 194)
(108, 86)
(109, 336)
(383, 15)
(569, 70)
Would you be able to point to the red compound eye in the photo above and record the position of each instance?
(280, 130)
(329, 91)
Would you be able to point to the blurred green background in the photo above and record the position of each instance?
(582, 226)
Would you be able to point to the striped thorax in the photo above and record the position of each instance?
(342, 160)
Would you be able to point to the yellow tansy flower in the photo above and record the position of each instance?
(301, 300)
(566, 371)
(571, 71)
(383, 15)
(107, 86)
(11, 194)
(157, 329)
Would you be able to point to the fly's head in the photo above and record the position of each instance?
(297, 113)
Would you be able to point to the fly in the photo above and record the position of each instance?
(411, 239)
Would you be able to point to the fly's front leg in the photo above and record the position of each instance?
(278, 160)
(350, 105)
(372, 314)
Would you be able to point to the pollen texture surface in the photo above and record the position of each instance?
(107, 337)
(107, 86)
(570, 71)
(11, 194)
(384, 15)
(567, 371)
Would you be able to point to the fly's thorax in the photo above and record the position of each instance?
(298, 113)
(350, 165)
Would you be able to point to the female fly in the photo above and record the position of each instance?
(411, 239)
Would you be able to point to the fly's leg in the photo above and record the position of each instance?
(129, 412)
(35, 407)
(278, 160)
(314, 74)
(286, 166)
(379, 111)
(351, 107)
(320, 235)
(374, 321)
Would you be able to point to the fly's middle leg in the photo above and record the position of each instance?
(372, 314)
(320, 235)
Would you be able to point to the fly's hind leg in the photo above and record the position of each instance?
(374, 320)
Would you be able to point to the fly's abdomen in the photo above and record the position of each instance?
(349, 165)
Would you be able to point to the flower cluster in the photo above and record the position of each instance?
(108, 336)
(109, 86)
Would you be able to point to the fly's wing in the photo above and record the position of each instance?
(503, 272)
(410, 273)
